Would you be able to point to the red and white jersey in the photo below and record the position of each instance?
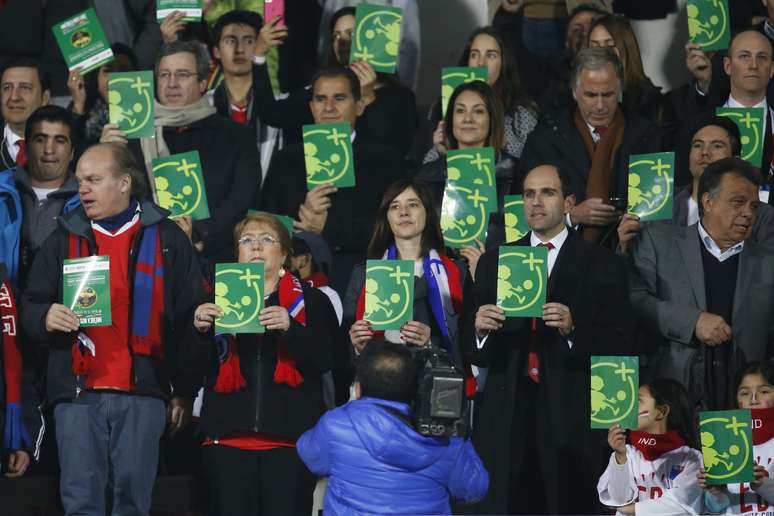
(665, 485)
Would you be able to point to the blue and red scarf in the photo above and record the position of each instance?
(230, 379)
(146, 332)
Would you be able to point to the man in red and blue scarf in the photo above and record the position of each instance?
(110, 385)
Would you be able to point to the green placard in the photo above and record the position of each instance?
(522, 279)
(465, 213)
(389, 293)
(651, 185)
(472, 166)
(86, 289)
(515, 221)
(726, 446)
(192, 9)
(751, 123)
(180, 185)
(82, 42)
(328, 155)
(286, 221)
(709, 24)
(453, 76)
(130, 103)
(239, 291)
(614, 387)
(377, 36)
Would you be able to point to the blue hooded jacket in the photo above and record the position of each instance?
(10, 223)
(378, 464)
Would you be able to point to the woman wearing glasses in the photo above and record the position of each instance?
(266, 389)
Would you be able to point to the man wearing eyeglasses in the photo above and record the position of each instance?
(185, 121)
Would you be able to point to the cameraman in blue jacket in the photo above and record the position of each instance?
(376, 461)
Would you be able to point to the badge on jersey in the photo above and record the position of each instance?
(727, 446)
(751, 123)
(377, 36)
(389, 293)
(709, 24)
(651, 185)
(453, 76)
(614, 387)
(239, 291)
(522, 280)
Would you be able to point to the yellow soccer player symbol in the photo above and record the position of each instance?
(391, 31)
(315, 165)
(599, 401)
(168, 199)
(636, 195)
(506, 291)
(373, 304)
(712, 457)
(229, 307)
(695, 26)
(117, 113)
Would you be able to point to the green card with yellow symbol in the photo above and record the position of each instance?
(82, 41)
(726, 446)
(130, 103)
(377, 36)
(472, 166)
(651, 185)
(465, 212)
(515, 221)
(180, 185)
(751, 123)
(453, 76)
(522, 279)
(709, 24)
(615, 384)
(328, 155)
(239, 291)
(389, 293)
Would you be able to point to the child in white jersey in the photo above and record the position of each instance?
(754, 391)
(656, 473)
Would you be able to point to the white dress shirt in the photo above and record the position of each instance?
(714, 249)
(10, 138)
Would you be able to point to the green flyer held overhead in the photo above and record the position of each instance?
(328, 155)
(515, 221)
(751, 123)
(522, 279)
(86, 289)
(465, 213)
(726, 446)
(180, 185)
(239, 289)
(286, 221)
(614, 387)
(130, 103)
(82, 42)
(651, 185)
(389, 293)
(472, 166)
(192, 9)
(377, 36)
(709, 24)
(453, 76)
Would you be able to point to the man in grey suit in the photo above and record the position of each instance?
(707, 290)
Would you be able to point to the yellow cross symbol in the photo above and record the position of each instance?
(749, 120)
(532, 261)
(139, 85)
(398, 275)
(336, 136)
(735, 425)
(476, 198)
(364, 55)
(623, 371)
(479, 162)
(660, 167)
(186, 167)
(248, 277)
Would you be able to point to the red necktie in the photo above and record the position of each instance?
(21, 157)
(533, 362)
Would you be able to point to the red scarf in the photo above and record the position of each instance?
(763, 425)
(316, 280)
(230, 378)
(653, 446)
(12, 359)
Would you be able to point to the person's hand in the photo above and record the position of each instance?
(415, 333)
(178, 413)
(472, 254)
(185, 222)
(18, 462)
(760, 475)
(701, 478)
(205, 315)
(627, 509)
(628, 229)
(271, 35)
(77, 91)
(61, 318)
(488, 318)
(360, 334)
(712, 329)
(171, 25)
(557, 315)
(366, 76)
(593, 212)
(699, 65)
(275, 318)
(310, 220)
(112, 134)
(439, 140)
(511, 6)
(616, 438)
(317, 199)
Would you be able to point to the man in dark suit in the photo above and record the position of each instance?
(532, 429)
(707, 290)
(345, 217)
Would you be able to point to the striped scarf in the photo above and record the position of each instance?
(15, 434)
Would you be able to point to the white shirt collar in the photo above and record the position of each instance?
(714, 249)
(352, 136)
(11, 138)
(693, 212)
(768, 29)
(557, 241)
(733, 103)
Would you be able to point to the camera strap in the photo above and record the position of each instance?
(397, 413)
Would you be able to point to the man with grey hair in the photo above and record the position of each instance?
(185, 121)
(593, 140)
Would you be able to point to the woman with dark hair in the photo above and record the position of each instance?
(487, 48)
(407, 228)
(264, 390)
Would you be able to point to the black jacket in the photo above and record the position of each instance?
(185, 349)
(266, 406)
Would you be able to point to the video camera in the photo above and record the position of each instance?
(440, 406)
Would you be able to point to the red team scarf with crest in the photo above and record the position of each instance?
(653, 446)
